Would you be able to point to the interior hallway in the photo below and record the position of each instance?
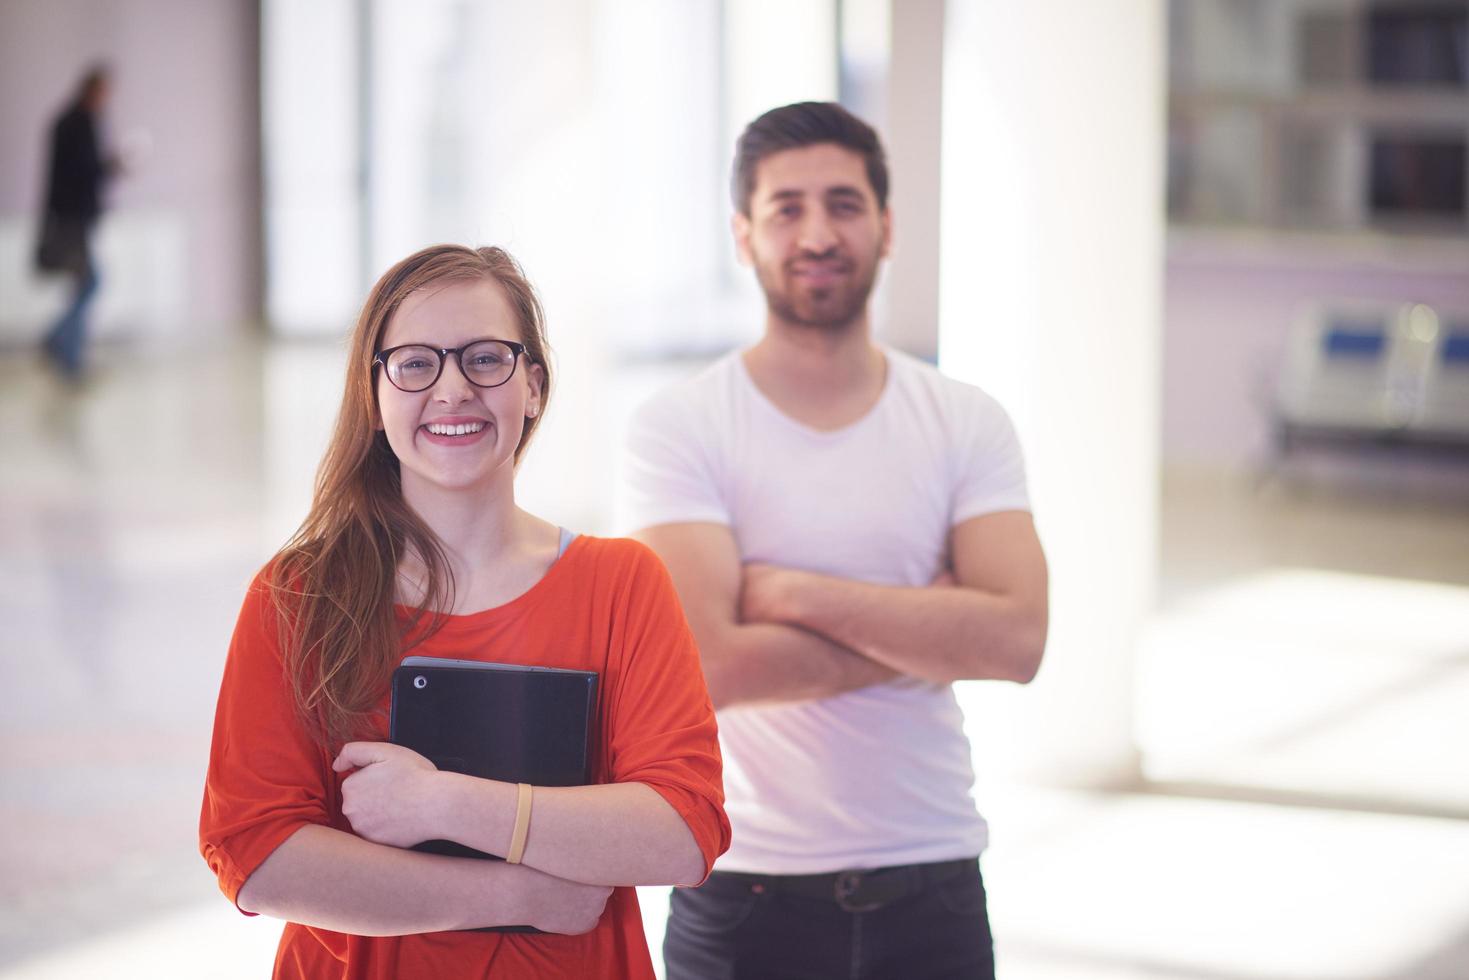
(1307, 712)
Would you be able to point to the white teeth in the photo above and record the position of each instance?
(463, 429)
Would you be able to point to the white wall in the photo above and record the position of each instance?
(179, 246)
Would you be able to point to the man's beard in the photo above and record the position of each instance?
(833, 307)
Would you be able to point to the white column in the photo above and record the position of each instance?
(1050, 300)
(776, 52)
(313, 189)
(910, 314)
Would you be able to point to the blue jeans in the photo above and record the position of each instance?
(68, 335)
(735, 927)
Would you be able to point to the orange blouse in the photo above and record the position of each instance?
(607, 605)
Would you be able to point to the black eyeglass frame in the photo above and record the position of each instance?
(517, 351)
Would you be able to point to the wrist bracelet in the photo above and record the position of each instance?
(522, 825)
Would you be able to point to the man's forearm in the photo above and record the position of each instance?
(773, 663)
(749, 662)
(941, 633)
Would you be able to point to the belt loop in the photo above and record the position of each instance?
(847, 885)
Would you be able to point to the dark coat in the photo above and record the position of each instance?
(77, 168)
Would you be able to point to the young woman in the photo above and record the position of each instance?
(414, 545)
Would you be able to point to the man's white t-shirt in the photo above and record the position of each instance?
(873, 777)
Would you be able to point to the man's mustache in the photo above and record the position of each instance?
(833, 257)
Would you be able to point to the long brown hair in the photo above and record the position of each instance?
(334, 583)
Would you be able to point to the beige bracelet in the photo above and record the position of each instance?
(522, 825)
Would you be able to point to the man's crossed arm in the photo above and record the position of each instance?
(769, 634)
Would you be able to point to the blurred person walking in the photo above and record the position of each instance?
(849, 531)
(77, 171)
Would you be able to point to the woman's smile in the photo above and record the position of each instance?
(455, 431)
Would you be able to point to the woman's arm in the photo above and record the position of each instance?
(611, 834)
(332, 880)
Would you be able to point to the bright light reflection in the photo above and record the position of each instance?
(1140, 886)
(1312, 681)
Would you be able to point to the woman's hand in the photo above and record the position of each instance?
(554, 904)
(393, 796)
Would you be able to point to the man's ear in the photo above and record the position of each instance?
(887, 233)
(740, 225)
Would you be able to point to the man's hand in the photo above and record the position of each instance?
(944, 580)
(766, 592)
(391, 798)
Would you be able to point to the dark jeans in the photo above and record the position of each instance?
(68, 335)
(735, 927)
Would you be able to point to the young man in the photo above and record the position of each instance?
(849, 533)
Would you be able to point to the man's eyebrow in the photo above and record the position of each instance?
(840, 191)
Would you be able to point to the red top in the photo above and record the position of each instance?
(606, 605)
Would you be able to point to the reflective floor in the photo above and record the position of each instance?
(1300, 703)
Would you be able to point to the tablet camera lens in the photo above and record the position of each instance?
(420, 682)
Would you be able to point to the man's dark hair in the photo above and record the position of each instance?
(806, 124)
(97, 75)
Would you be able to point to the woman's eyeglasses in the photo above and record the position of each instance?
(485, 363)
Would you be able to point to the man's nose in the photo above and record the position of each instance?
(817, 234)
